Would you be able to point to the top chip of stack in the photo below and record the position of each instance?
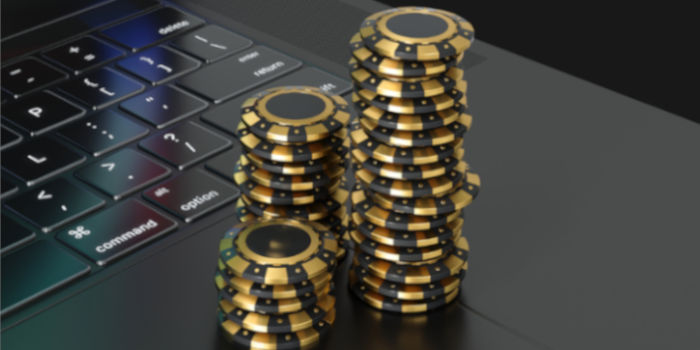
(411, 181)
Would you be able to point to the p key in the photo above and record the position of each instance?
(41, 112)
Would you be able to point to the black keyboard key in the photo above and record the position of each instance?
(116, 231)
(54, 204)
(185, 144)
(36, 270)
(234, 75)
(41, 112)
(192, 195)
(315, 77)
(158, 65)
(8, 188)
(224, 164)
(122, 173)
(83, 54)
(9, 138)
(211, 43)
(38, 159)
(101, 88)
(13, 234)
(163, 106)
(102, 132)
(152, 28)
(29, 75)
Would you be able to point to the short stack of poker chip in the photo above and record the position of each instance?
(293, 164)
(411, 181)
(274, 282)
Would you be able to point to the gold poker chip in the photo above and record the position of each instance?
(294, 114)
(400, 254)
(450, 265)
(407, 291)
(282, 251)
(267, 195)
(290, 182)
(399, 68)
(277, 323)
(411, 122)
(314, 211)
(236, 334)
(328, 162)
(407, 172)
(414, 105)
(384, 303)
(441, 205)
(409, 239)
(396, 155)
(416, 33)
(286, 153)
(436, 186)
(413, 88)
(434, 137)
(396, 221)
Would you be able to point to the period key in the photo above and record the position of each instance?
(116, 231)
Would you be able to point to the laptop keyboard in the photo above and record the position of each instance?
(121, 136)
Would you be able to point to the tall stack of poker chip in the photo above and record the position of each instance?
(407, 158)
(295, 141)
(274, 283)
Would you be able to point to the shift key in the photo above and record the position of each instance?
(234, 75)
(116, 231)
(192, 195)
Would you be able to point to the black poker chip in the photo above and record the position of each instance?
(407, 172)
(416, 33)
(314, 211)
(406, 88)
(436, 186)
(421, 105)
(409, 239)
(290, 182)
(287, 153)
(331, 160)
(267, 195)
(294, 114)
(434, 137)
(301, 251)
(407, 291)
(396, 221)
(432, 272)
(400, 68)
(400, 254)
(397, 155)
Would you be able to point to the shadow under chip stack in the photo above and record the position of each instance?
(293, 166)
(274, 282)
(411, 181)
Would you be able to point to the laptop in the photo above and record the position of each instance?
(118, 124)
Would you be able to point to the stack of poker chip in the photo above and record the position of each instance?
(411, 181)
(295, 141)
(274, 283)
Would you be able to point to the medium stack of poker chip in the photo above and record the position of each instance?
(274, 283)
(411, 182)
(295, 141)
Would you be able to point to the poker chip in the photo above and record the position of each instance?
(314, 211)
(396, 221)
(294, 114)
(416, 33)
(384, 303)
(396, 155)
(286, 153)
(407, 172)
(434, 137)
(441, 205)
(421, 105)
(400, 254)
(283, 291)
(407, 291)
(408, 239)
(413, 122)
(277, 323)
(436, 186)
(385, 65)
(406, 88)
(432, 272)
(297, 168)
(235, 333)
(283, 251)
(263, 194)
(290, 182)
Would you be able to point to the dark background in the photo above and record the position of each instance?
(648, 51)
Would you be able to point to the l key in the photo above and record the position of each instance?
(54, 204)
(39, 159)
